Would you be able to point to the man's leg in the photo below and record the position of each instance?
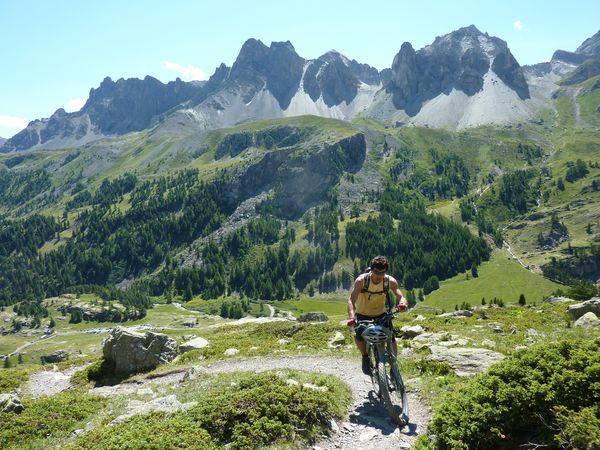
(366, 364)
(362, 346)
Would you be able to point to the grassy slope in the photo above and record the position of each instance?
(501, 277)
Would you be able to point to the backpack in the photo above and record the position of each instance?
(389, 298)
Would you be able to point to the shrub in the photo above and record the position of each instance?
(255, 411)
(524, 400)
(12, 378)
(47, 417)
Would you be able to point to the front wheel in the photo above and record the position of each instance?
(391, 389)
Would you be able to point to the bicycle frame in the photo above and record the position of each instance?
(380, 348)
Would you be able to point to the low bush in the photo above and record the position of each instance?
(12, 378)
(253, 411)
(542, 396)
(48, 417)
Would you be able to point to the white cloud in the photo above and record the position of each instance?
(75, 105)
(518, 25)
(187, 73)
(13, 122)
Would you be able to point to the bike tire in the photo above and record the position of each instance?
(399, 389)
(374, 360)
(391, 389)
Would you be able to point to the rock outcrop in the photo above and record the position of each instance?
(465, 361)
(193, 344)
(129, 351)
(313, 317)
(411, 332)
(579, 309)
(10, 403)
(588, 320)
(300, 176)
(55, 357)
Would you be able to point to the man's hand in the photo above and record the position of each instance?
(351, 322)
(401, 307)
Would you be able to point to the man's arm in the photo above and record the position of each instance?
(397, 292)
(358, 283)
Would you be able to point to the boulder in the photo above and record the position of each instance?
(588, 320)
(194, 344)
(131, 352)
(231, 352)
(411, 332)
(190, 323)
(463, 360)
(337, 341)
(579, 309)
(10, 403)
(56, 357)
(313, 317)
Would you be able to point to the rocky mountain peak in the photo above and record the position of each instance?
(458, 60)
(132, 104)
(278, 68)
(590, 47)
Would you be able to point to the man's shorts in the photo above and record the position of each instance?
(387, 322)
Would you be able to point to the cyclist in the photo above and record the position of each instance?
(368, 301)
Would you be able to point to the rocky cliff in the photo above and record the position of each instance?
(297, 176)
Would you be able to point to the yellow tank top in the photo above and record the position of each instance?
(372, 302)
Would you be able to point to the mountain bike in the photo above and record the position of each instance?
(385, 374)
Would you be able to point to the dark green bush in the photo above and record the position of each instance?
(526, 399)
(158, 430)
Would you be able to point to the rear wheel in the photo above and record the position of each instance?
(391, 389)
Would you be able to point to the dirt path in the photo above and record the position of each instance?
(367, 425)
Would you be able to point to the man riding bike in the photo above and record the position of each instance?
(368, 302)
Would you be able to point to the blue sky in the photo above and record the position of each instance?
(53, 52)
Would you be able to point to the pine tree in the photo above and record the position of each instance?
(7, 364)
(522, 300)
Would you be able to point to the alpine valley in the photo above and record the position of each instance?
(265, 190)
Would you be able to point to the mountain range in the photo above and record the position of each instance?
(463, 79)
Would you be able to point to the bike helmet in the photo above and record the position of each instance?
(375, 334)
